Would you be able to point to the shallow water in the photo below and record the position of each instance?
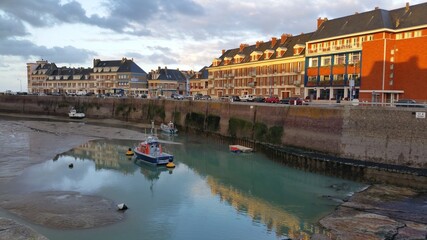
(211, 194)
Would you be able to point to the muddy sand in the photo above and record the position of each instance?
(29, 140)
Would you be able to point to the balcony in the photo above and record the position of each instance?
(341, 48)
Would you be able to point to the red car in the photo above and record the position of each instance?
(272, 99)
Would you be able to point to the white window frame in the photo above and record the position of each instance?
(326, 61)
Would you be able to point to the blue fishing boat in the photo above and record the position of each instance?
(150, 151)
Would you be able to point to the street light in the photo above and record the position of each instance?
(271, 81)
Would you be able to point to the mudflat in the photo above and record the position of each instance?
(28, 140)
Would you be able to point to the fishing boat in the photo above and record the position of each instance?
(74, 114)
(169, 128)
(150, 151)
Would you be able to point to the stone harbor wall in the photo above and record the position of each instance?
(386, 135)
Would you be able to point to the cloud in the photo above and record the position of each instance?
(159, 56)
(10, 26)
(26, 49)
(125, 16)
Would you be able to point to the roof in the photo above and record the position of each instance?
(201, 74)
(409, 16)
(167, 75)
(124, 65)
(261, 47)
(70, 72)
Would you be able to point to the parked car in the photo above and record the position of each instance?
(177, 96)
(198, 96)
(297, 101)
(234, 99)
(272, 99)
(259, 99)
(247, 98)
(206, 97)
(285, 100)
(408, 103)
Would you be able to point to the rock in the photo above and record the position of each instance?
(380, 212)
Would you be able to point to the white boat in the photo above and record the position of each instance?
(239, 148)
(74, 114)
(169, 128)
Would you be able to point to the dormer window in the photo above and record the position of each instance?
(268, 53)
(298, 48)
(281, 51)
(227, 60)
(216, 62)
(255, 55)
(238, 58)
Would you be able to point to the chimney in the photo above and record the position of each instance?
(258, 43)
(242, 47)
(407, 7)
(376, 8)
(320, 21)
(273, 41)
(284, 37)
(95, 62)
(223, 51)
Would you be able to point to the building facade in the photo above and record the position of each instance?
(105, 77)
(115, 75)
(163, 82)
(199, 83)
(276, 67)
(369, 56)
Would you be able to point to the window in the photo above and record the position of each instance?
(354, 41)
(313, 62)
(370, 37)
(362, 39)
(333, 45)
(417, 33)
(326, 61)
(408, 34)
(319, 46)
(347, 42)
(339, 43)
(339, 77)
(325, 45)
(339, 59)
(354, 58)
(398, 36)
(325, 78)
(312, 78)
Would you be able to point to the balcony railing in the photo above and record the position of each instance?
(335, 48)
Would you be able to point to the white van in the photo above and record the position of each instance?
(247, 98)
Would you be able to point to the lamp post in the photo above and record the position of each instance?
(271, 81)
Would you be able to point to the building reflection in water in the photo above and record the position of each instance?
(275, 218)
(107, 154)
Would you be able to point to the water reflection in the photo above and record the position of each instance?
(106, 155)
(207, 182)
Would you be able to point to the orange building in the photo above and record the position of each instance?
(375, 56)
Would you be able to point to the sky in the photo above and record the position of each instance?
(184, 34)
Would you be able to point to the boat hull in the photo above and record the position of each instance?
(77, 117)
(168, 130)
(161, 159)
